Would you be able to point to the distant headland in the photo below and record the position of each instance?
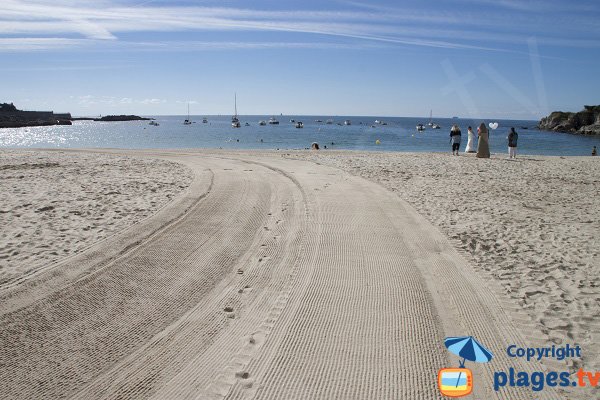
(113, 118)
(586, 122)
(11, 117)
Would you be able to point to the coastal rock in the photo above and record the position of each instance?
(112, 118)
(11, 117)
(585, 122)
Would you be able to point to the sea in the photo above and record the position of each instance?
(362, 133)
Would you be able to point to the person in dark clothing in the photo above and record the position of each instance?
(512, 137)
(455, 139)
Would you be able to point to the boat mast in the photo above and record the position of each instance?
(235, 103)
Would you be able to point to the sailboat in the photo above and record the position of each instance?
(431, 123)
(188, 121)
(235, 122)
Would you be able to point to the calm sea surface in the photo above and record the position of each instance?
(399, 134)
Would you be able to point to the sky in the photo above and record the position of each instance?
(512, 59)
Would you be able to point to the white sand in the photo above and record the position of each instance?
(531, 224)
(54, 204)
(277, 278)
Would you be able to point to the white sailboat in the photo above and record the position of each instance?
(430, 118)
(188, 121)
(235, 122)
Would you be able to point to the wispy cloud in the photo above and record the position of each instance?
(36, 25)
(111, 101)
(32, 44)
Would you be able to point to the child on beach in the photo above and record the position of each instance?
(455, 139)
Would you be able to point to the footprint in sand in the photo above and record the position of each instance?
(245, 290)
(229, 312)
(242, 375)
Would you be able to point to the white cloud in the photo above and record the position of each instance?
(91, 100)
(30, 44)
(152, 101)
(69, 23)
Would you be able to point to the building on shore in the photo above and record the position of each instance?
(11, 117)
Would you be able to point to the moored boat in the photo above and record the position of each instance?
(235, 122)
(188, 121)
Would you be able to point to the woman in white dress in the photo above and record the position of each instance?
(470, 146)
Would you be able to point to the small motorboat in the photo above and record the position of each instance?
(204, 120)
(420, 127)
(273, 121)
(299, 124)
(435, 126)
(246, 124)
(153, 123)
(292, 120)
(262, 123)
(347, 122)
(318, 120)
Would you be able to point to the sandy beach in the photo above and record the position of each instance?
(54, 204)
(529, 225)
(208, 274)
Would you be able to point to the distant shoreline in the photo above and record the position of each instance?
(113, 118)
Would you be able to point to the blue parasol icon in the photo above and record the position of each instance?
(469, 349)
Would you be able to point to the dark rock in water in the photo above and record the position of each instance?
(586, 122)
(112, 118)
(11, 117)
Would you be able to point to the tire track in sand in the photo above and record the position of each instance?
(288, 281)
(52, 347)
(384, 288)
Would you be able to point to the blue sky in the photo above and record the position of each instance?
(470, 58)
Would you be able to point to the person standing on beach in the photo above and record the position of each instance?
(594, 151)
(483, 145)
(470, 147)
(455, 139)
(512, 143)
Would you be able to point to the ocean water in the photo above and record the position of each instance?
(399, 134)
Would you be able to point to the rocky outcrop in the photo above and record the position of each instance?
(11, 117)
(586, 122)
(122, 118)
